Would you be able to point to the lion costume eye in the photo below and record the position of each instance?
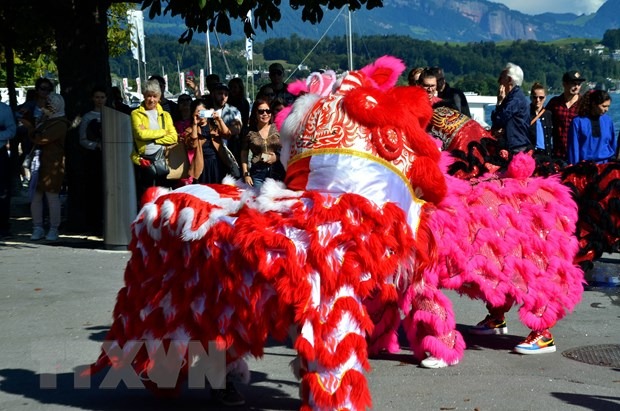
(388, 142)
(371, 102)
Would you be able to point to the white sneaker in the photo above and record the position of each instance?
(52, 235)
(434, 362)
(37, 234)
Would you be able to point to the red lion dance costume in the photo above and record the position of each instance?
(361, 223)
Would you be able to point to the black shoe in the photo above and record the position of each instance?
(229, 396)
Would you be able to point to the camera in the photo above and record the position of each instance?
(206, 113)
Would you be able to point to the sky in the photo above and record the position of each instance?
(555, 6)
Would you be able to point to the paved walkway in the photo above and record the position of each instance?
(56, 304)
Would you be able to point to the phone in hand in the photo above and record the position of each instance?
(206, 113)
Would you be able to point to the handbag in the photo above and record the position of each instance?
(178, 162)
(159, 165)
(35, 165)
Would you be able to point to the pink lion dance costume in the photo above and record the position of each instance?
(224, 263)
(505, 239)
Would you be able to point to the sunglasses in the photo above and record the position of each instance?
(276, 72)
(539, 97)
(45, 88)
(263, 111)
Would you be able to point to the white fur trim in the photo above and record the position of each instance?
(294, 123)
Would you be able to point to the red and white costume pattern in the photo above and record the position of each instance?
(356, 235)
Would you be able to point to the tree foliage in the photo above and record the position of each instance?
(119, 39)
(203, 15)
(34, 44)
(611, 39)
(25, 47)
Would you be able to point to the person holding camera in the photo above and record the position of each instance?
(206, 166)
(226, 125)
(263, 141)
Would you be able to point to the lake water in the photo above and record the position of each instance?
(614, 111)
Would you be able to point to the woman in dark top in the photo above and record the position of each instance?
(212, 169)
(263, 142)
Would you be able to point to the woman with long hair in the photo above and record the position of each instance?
(207, 166)
(591, 136)
(49, 138)
(263, 142)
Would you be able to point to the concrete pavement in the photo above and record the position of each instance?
(56, 305)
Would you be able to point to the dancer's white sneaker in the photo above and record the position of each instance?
(434, 362)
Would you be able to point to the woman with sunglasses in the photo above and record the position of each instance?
(541, 123)
(263, 142)
(49, 137)
(31, 110)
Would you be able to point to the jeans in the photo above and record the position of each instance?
(5, 190)
(259, 173)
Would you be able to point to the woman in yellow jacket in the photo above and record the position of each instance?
(152, 129)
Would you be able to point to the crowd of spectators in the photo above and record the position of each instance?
(224, 133)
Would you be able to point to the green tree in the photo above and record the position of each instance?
(77, 34)
(23, 46)
(203, 15)
(611, 39)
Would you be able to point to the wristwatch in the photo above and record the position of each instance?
(246, 174)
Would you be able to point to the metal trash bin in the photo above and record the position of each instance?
(120, 203)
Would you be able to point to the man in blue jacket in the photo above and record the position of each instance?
(511, 117)
(7, 132)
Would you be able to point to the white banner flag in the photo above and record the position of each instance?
(248, 49)
(138, 86)
(248, 42)
(136, 20)
(182, 81)
(133, 34)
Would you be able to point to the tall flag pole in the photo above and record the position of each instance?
(202, 82)
(181, 78)
(208, 52)
(249, 56)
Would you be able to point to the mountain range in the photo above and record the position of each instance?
(438, 20)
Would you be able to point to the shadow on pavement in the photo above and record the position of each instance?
(589, 402)
(21, 229)
(98, 332)
(27, 384)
